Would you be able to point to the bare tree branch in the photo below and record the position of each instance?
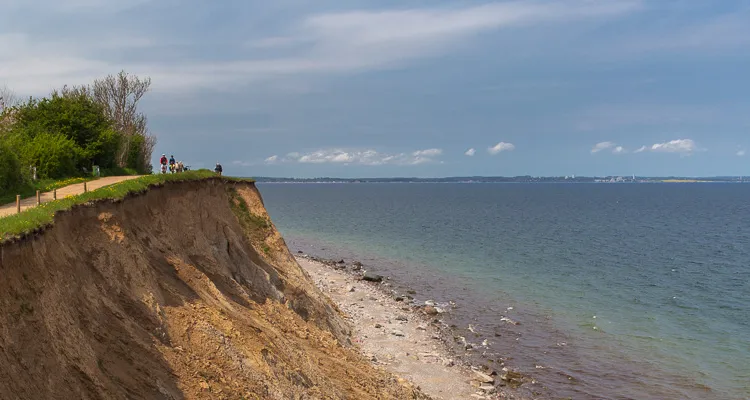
(120, 95)
(8, 98)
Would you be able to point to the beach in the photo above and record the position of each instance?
(404, 337)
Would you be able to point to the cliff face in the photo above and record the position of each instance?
(186, 291)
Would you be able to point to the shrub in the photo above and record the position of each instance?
(54, 155)
(10, 168)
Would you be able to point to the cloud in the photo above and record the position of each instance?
(271, 160)
(242, 163)
(741, 153)
(641, 149)
(328, 42)
(619, 150)
(470, 152)
(428, 153)
(682, 146)
(500, 147)
(602, 146)
(362, 157)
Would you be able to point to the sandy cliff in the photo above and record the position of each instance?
(186, 291)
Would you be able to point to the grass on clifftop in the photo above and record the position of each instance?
(39, 216)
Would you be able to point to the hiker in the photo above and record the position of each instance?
(172, 164)
(218, 169)
(163, 162)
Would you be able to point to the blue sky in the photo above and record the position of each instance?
(412, 88)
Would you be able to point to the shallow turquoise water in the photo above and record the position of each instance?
(622, 291)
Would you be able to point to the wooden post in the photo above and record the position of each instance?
(54, 194)
(18, 203)
(85, 189)
(38, 198)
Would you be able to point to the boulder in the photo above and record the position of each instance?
(430, 310)
(370, 277)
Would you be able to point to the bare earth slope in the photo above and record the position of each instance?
(184, 292)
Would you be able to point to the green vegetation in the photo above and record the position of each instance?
(254, 226)
(67, 133)
(43, 185)
(40, 216)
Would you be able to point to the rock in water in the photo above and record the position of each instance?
(368, 276)
(430, 310)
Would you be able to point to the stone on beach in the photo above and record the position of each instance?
(484, 378)
(430, 310)
(370, 277)
(397, 332)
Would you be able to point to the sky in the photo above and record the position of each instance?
(366, 88)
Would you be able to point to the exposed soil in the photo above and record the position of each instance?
(173, 294)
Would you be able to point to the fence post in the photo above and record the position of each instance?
(38, 198)
(54, 194)
(85, 189)
(18, 203)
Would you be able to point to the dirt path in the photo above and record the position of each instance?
(9, 209)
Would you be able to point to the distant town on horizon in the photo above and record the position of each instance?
(514, 179)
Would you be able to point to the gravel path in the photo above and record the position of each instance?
(77, 188)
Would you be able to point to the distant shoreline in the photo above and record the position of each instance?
(539, 180)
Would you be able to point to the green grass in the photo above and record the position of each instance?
(43, 185)
(40, 216)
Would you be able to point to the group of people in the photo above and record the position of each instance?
(172, 165)
(177, 166)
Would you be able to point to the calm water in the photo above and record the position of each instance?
(621, 291)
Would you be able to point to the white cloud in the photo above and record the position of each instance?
(619, 150)
(740, 153)
(362, 157)
(682, 146)
(500, 147)
(641, 149)
(428, 153)
(470, 152)
(330, 42)
(602, 146)
(271, 160)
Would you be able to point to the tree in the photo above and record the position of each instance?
(75, 117)
(120, 96)
(8, 98)
(10, 168)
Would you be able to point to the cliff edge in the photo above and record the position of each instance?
(185, 291)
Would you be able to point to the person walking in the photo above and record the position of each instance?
(218, 169)
(163, 162)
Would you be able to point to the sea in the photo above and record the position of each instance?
(594, 291)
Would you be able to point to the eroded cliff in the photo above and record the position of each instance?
(186, 291)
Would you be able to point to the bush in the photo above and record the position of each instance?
(77, 118)
(10, 168)
(54, 155)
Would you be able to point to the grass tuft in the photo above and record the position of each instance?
(41, 216)
(255, 226)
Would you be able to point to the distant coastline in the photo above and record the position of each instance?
(515, 179)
